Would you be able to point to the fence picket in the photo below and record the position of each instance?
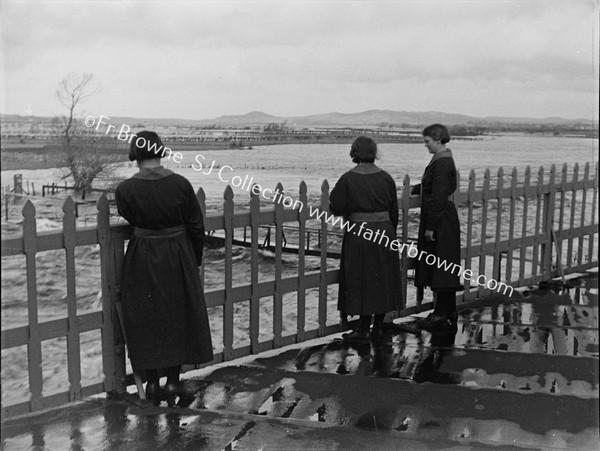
(254, 258)
(573, 213)
(522, 246)
(497, 262)
(404, 260)
(324, 206)
(301, 297)
(485, 195)
(228, 303)
(511, 223)
(73, 341)
(561, 210)
(34, 348)
(593, 219)
(277, 294)
(548, 224)
(538, 215)
(586, 175)
(201, 196)
(469, 235)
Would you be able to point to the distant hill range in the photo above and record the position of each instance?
(370, 118)
(378, 117)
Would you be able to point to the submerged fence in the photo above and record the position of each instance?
(516, 231)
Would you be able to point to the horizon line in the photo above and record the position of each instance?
(240, 115)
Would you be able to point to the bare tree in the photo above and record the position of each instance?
(86, 156)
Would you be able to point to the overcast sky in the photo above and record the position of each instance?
(200, 59)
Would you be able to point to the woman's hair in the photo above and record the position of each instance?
(437, 132)
(363, 150)
(146, 145)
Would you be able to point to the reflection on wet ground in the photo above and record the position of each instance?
(514, 372)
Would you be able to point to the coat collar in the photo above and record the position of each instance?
(368, 168)
(437, 156)
(155, 173)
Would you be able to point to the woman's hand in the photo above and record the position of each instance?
(429, 235)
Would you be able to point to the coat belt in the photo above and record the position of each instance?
(160, 233)
(375, 216)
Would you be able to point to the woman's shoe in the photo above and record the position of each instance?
(435, 322)
(174, 390)
(171, 391)
(356, 337)
(435, 318)
(154, 393)
(430, 319)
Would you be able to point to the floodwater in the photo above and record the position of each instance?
(312, 163)
(291, 164)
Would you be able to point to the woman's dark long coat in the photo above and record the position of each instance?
(166, 321)
(369, 270)
(438, 213)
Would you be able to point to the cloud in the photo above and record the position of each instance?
(211, 58)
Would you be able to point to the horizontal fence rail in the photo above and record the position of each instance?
(515, 230)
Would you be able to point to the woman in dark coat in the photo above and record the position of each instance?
(165, 318)
(370, 281)
(439, 230)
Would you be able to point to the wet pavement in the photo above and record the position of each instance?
(516, 373)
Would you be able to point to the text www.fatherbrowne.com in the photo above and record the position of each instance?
(277, 196)
(381, 238)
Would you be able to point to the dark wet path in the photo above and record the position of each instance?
(519, 372)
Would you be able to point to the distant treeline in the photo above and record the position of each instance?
(388, 129)
(555, 130)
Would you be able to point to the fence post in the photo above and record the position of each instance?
(112, 380)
